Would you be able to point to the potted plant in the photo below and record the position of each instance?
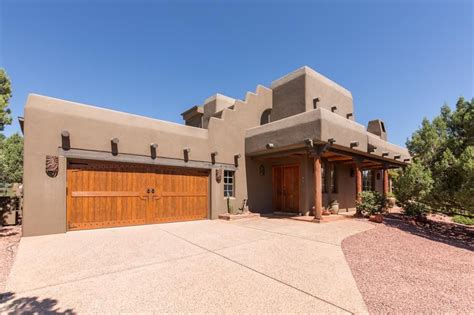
(334, 207)
(391, 200)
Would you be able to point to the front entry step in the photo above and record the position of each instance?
(232, 217)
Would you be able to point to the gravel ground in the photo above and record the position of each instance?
(400, 269)
(9, 240)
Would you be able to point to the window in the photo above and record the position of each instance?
(229, 179)
(266, 117)
(367, 180)
(333, 179)
(331, 185)
(323, 178)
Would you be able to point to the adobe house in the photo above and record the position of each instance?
(292, 147)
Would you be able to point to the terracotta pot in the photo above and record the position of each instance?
(391, 201)
(334, 208)
(377, 218)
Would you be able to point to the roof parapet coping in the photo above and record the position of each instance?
(305, 70)
(55, 105)
(218, 96)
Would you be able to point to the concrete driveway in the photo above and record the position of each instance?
(251, 266)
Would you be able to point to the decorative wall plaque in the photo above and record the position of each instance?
(218, 175)
(52, 165)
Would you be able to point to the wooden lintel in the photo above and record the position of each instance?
(366, 156)
(339, 158)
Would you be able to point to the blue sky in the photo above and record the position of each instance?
(400, 59)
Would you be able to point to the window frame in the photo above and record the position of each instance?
(368, 180)
(266, 117)
(333, 179)
(229, 180)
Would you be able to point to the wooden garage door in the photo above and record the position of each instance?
(106, 194)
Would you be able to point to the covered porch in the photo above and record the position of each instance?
(305, 181)
(307, 173)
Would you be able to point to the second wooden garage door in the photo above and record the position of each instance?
(106, 194)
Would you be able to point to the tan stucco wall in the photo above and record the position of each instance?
(231, 127)
(295, 92)
(319, 125)
(92, 129)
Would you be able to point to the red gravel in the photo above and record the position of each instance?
(400, 269)
(9, 240)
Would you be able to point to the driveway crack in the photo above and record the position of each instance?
(293, 236)
(112, 272)
(261, 273)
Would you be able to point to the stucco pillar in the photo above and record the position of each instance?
(385, 181)
(318, 195)
(358, 177)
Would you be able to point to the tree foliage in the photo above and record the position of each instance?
(442, 173)
(5, 95)
(11, 148)
(11, 159)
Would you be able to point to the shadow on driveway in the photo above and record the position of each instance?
(447, 233)
(29, 305)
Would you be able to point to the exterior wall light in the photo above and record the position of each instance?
(406, 160)
(396, 157)
(333, 109)
(114, 144)
(354, 144)
(153, 147)
(270, 145)
(261, 170)
(332, 140)
(349, 115)
(385, 154)
(308, 142)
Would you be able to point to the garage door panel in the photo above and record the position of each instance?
(105, 194)
(180, 195)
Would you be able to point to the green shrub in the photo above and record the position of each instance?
(414, 183)
(372, 202)
(463, 219)
(415, 209)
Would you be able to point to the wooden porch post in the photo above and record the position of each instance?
(358, 177)
(385, 181)
(318, 193)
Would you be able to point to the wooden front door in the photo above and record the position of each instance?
(286, 188)
(107, 194)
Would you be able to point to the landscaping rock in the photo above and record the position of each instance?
(377, 218)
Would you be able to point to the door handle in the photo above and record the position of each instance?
(153, 190)
(148, 191)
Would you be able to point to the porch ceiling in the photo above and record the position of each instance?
(331, 155)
